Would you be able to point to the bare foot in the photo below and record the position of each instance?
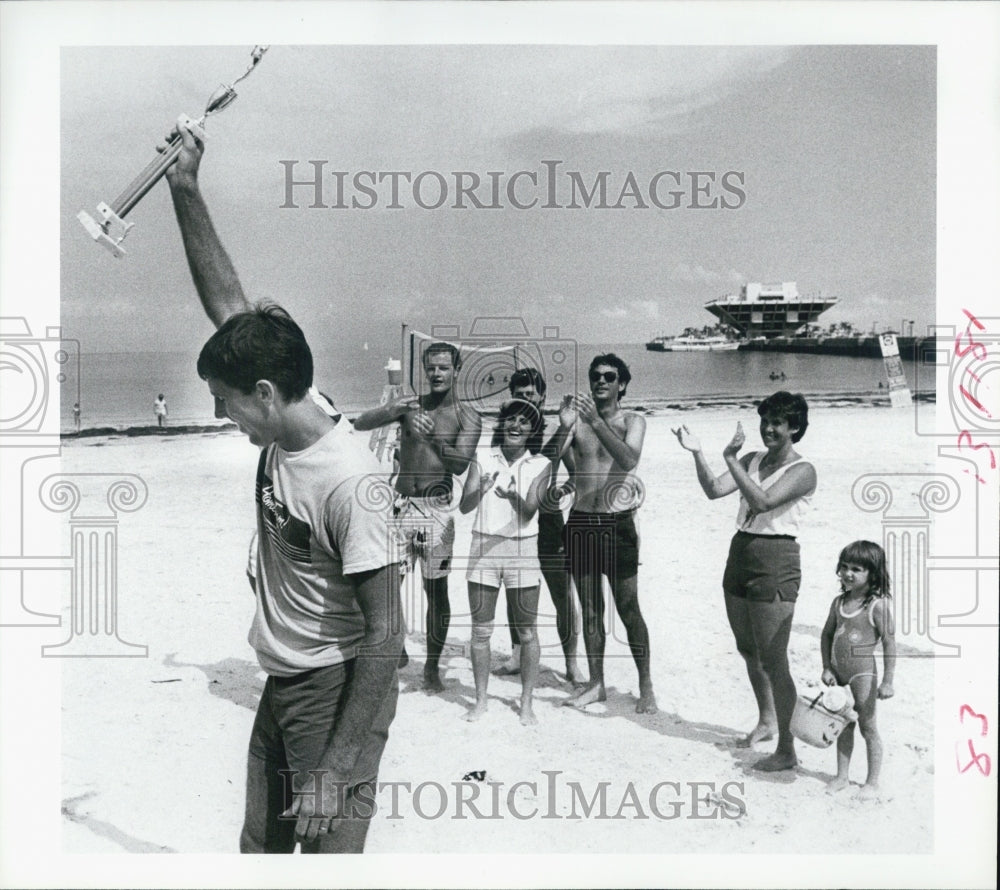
(527, 715)
(432, 681)
(475, 712)
(776, 762)
(646, 703)
(513, 664)
(588, 696)
(404, 659)
(574, 675)
(837, 784)
(867, 792)
(762, 732)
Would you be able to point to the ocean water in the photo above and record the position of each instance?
(118, 389)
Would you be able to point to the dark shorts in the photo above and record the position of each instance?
(551, 546)
(762, 567)
(295, 720)
(602, 544)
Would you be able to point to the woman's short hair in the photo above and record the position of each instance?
(792, 408)
(523, 408)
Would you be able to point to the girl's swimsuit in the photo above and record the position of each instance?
(854, 642)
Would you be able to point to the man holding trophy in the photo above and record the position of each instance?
(328, 627)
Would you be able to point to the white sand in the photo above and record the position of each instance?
(151, 765)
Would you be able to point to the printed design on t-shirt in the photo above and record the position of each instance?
(289, 534)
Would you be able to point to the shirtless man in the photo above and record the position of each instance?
(601, 539)
(438, 441)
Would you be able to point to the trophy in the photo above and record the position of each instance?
(111, 228)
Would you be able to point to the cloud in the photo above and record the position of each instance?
(698, 274)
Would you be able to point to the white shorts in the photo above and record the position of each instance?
(512, 562)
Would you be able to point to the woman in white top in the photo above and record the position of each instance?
(505, 543)
(762, 576)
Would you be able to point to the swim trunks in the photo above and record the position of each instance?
(426, 529)
(602, 543)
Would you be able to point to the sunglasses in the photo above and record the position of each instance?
(606, 376)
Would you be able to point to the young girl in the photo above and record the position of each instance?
(505, 543)
(859, 618)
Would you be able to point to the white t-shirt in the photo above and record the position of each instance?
(322, 514)
(783, 520)
(496, 515)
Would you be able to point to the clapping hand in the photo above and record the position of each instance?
(736, 443)
(567, 413)
(509, 493)
(687, 439)
(422, 424)
(586, 407)
(486, 482)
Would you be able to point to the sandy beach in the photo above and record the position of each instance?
(179, 720)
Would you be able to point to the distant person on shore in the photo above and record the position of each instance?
(860, 618)
(160, 410)
(529, 384)
(76, 415)
(761, 581)
(505, 487)
(439, 438)
(601, 535)
(328, 624)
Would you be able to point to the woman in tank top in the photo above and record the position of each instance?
(762, 576)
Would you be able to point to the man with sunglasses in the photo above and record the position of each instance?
(601, 538)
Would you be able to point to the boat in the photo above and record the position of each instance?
(692, 344)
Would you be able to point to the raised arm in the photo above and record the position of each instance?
(385, 414)
(713, 486)
(797, 482)
(528, 505)
(457, 457)
(625, 450)
(476, 485)
(215, 279)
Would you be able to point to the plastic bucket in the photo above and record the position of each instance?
(817, 726)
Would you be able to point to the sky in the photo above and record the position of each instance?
(828, 156)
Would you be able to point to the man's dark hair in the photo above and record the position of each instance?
(793, 409)
(262, 343)
(609, 358)
(441, 346)
(527, 377)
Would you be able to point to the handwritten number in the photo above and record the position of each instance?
(973, 346)
(982, 761)
(965, 709)
(966, 436)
